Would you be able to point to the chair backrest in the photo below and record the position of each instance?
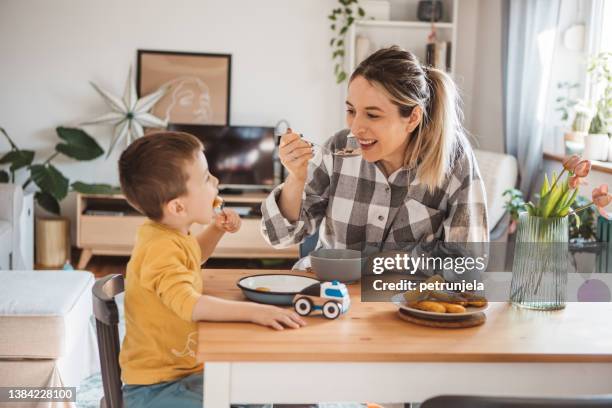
(309, 244)
(464, 401)
(107, 320)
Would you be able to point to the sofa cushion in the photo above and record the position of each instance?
(40, 309)
(499, 173)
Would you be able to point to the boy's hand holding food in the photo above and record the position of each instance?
(228, 221)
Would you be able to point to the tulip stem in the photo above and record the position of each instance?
(584, 207)
(556, 180)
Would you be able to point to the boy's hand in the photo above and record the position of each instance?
(228, 221)
(275, 317)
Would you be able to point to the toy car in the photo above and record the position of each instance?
(331, 298)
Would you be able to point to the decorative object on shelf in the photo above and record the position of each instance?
(362, 48)
(129, 115)
(52, 242)
(53, 186)
(199, 85)
(429, 10)
(566, 102)
(541, 262)
(341, 19)
(596, 146)
(437, 53)
(331, 298)
(575, 139)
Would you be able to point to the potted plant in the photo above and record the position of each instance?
(52, 243)
(597, 143)
(540, 266)
(515, 204)
(52, 185)
(341, 18)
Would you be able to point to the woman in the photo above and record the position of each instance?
(416, 180)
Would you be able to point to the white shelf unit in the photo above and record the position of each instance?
(404, 30)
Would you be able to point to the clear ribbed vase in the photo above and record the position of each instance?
(540, 265)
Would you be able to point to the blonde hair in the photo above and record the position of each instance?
(440, 137)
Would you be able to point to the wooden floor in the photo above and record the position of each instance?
(102, 266)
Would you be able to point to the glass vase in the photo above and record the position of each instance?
(540, 265)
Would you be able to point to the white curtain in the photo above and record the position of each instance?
(529, 42)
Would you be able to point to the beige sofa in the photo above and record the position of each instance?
(47, 337)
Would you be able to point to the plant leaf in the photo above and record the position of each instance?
(86, 188)
(48, 202)
(341, 77)
(50, 180)
(577, 219)
(360, 12)
(531, 209)
(18, 159)
(4, 176)
(545, 186)
(79, 145)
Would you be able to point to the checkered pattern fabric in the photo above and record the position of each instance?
(353, 204)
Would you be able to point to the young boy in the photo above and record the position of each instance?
(165, 176)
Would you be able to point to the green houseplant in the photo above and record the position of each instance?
(52, 185)
(597, 143)
(600, 70)
(341, 18)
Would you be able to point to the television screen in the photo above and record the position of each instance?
(239, 156)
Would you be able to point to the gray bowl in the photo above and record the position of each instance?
(343, 265)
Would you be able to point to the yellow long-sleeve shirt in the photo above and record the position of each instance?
(163, 283)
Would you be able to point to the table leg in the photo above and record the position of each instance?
(86, 255)
(217, 385)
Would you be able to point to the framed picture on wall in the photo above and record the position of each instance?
(199, 91)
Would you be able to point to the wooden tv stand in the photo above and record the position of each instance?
(107, 225)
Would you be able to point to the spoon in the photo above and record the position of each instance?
(351, 149)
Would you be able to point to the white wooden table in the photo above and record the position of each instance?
(371, 355)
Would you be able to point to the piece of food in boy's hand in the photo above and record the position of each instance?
(218, 202)
(452, 307)
(262, 289)
(429, 306)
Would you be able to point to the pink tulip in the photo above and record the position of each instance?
(575, 181)
(601, 198)
(571, 162)
(583, 168)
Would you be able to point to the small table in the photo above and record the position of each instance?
(369, 354)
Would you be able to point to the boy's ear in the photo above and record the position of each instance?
(175, 207)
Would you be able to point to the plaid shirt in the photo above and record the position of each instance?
(353, 203)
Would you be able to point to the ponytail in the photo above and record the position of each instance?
(440, 136)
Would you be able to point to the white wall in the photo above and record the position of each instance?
(281, 67)
(486, 116)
